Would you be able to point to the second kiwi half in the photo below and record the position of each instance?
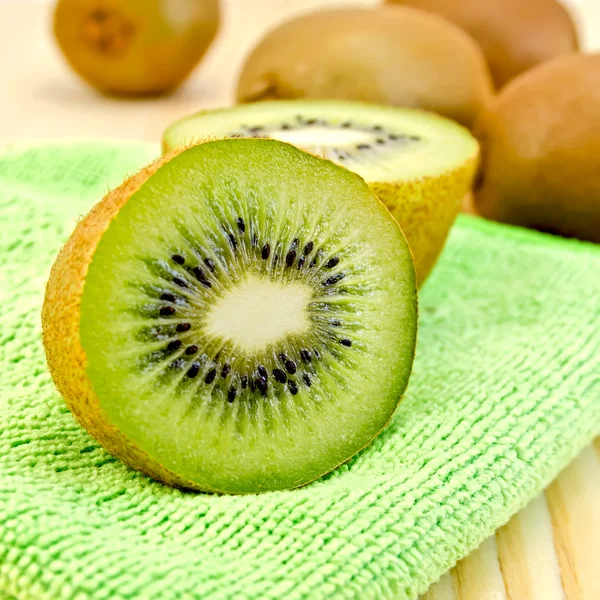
(420, 165)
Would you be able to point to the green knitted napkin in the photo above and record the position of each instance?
(505, 392)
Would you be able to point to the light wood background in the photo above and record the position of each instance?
(549, 551)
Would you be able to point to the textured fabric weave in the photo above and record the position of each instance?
(505, 392)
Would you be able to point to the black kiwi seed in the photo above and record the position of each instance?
(177, 363)
(332, 262)
(265, 252)
(290, 258)
(193, 370)
(252, 385)
(346, 125)
(301, 262)
(279, 375)
(317, 258)
(167, 311)
(254, 240)
(262, 372)
(174, 345)
(210, 376)
(167, 297)
(179, 282)
(231, 394)
(333, 279)
(201, 277)
(199, 273)
(190, 350)
(210, 264)
(241, 225)
(393, 136)
(262, 385)
(225, 370)
(306, 379)
(181, 327)
(305, 355)
(346, 342)
(285, 126)
(308, 248)
(244, 382)
(380, 141)
(290, 366)
(377, 128)
(232, 240)
(311, 121)
(335, 323)
(317, 354)
(292, 387)
(178, 259)
(363, 147)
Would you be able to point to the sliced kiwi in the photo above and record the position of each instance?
(419, 164)
(238, 317)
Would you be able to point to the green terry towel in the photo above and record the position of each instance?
(505, 392)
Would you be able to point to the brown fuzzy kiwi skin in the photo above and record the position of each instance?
(426, 209)
(60, 328)
(515, 35)
(540, 150)
(388, 55)
(67, 360)
(135, 47)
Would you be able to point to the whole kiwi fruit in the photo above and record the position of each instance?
(515, 35)
(135, 47)
(238, 317)
(387, 55)
(541, 150)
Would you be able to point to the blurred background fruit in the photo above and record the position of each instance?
(135, 47)
(388, 55)
(541, 145)
(515, 35)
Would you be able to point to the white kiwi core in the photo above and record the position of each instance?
(326, 136)
(259, 312)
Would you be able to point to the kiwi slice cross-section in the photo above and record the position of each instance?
(419, 164)
(238, 317)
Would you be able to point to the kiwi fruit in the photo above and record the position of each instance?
(135, 47)
(388, 55)
(419, 164)
(541, 150)
(515, 35)
(238, 317)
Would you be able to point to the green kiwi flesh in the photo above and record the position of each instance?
(380, 143)
(420, 165)
(249, 317)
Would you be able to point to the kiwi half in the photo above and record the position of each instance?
(419, 164)
(238, 317)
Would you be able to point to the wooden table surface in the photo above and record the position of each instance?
(550, 550)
